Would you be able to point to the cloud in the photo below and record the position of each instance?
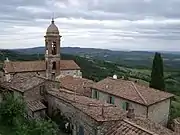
(112, 24)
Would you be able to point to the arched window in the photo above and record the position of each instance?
(54, 48)
(54, 65)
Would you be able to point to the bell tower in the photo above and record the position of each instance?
(52, 51)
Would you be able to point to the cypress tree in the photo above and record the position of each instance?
(157, 74)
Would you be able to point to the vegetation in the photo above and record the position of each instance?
(11, 110)
(13, 120)
(97, 69)
(157, 74)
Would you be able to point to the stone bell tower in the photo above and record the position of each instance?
(52, 51)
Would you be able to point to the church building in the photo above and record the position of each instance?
(52, 67)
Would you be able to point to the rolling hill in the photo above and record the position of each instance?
(97, 69)
(132, 59)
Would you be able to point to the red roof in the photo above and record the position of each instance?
(31, 66)
(79, 85)
(131, 91)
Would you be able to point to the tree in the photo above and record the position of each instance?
(12, 110)
(43, 127)
(157, 74)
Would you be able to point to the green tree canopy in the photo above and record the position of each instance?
(157, 74)
(11, 109)
(12, 114)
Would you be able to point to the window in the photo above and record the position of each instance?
(42, 90)
(81, 130)
(54, 66)
(96, 94)
(53, 76)
(54, 48)
(125, 106)
(111, 100)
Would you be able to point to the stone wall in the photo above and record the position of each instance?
(77, 117)
(39, 114)
(34, 93)
(159, 112)
(36, 115)
(138, 108)
(176, 125)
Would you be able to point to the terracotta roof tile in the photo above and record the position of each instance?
(151, 126)
(23, 83)
(30, 66)
(35, 105)
(131, 91)
(79, 85)
(68, 65)
(96, 109)
(126, 128)
(138, 126)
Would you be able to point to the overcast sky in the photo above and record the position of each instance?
(112, 24)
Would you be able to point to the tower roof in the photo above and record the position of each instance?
(52, 29)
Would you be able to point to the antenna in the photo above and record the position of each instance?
(53, 17)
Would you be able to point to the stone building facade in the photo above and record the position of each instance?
(147, 102)
(92, 117)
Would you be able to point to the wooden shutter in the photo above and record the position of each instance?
(124, 105)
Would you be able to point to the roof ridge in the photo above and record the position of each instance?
(25, 61)
(140, 127)
(135, 88)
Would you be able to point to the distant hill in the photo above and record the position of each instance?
(131, 59)
(96, 69)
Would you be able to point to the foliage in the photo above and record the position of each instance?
(61, 120)
(157, 74)
(12, 113)
(43, 127)
(175, 108)
(11, 110)
(97, 69)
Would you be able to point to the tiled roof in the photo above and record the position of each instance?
(35, 106)
(123, 126)
(79, 85)
(127, 128)
(151, 126)
(23, 83)
(131, 91)
(30, 66)
(96, 109)
(138, 126)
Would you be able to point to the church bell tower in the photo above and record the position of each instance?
(52, 51)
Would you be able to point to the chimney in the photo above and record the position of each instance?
(7, 60)
(130, 113)
(114, 76)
